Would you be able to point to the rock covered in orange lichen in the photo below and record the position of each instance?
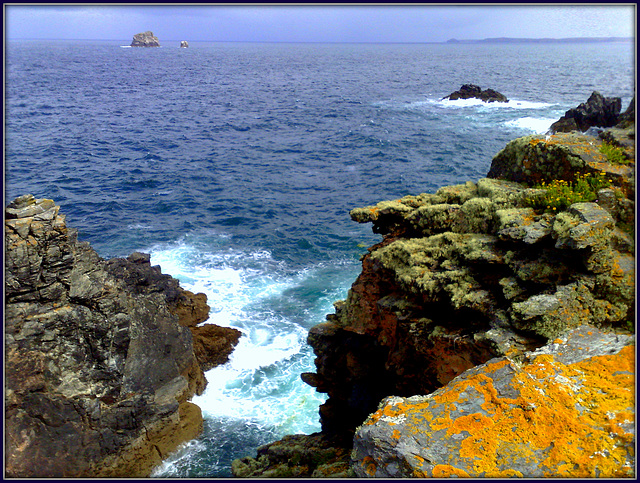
(564, 410)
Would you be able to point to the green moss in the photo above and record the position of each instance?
(477, 215)
(614, 154)
(563, 224)
(458, 194)
(502, 192)
(628, 228)
(432, 219)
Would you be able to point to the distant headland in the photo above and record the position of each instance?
(514, 40)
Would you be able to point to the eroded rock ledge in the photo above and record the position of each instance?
(100, 360)
(467, 282)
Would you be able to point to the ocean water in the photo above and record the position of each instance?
(236, 164)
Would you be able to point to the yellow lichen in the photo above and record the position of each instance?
(447, 471)
(571, 419)
(369, 465)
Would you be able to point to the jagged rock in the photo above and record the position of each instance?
(98, 369)
(470, 91)
(628, 118)
(213, 344)
(184, 44)
(145, 39)
(565, 410)
(597, 111)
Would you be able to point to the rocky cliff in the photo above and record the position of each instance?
(468, 283)
(100, 362)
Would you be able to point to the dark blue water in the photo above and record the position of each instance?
(235, 165)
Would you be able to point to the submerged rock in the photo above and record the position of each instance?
(471, 91)
(100, 360)
(145, 39)
(564, 410)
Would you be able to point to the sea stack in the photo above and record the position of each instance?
(184, 44)
(145, 39)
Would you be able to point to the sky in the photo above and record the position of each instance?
(316, 23)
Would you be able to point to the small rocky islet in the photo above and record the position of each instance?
(145, 39)
(489, 334)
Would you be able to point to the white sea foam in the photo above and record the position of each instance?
(170, 466)
(261, 382)
(512, 104)
(537, 125)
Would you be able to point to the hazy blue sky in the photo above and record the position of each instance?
(317, 23)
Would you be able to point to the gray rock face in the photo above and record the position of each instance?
(598, 111)
(98, 369)
(145, 39)
(564, 410)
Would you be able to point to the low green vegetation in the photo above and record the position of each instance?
(560, 194)
(614, 154)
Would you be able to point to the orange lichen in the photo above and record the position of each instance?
(572, 420)
(369, 465)
(447, 471)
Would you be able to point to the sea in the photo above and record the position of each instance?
(235, 165)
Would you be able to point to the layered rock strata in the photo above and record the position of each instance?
(100, 362)
(470, 274)
(145, 39)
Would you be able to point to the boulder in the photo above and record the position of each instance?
(564, 410)
(100, 360)
(184, 44)
(471, 91)
(145, 39)
(598, 111)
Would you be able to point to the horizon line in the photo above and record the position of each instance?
(449, 41)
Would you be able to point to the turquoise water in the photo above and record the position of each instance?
(235, 165)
